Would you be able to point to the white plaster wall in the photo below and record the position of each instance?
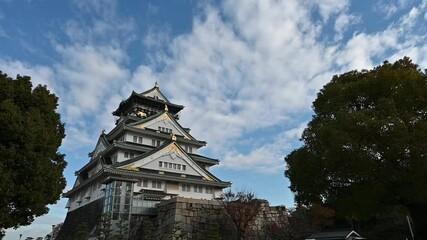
(94, 191)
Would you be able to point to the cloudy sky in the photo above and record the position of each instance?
(246, 71)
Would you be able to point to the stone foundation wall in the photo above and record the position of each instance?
(183, 218)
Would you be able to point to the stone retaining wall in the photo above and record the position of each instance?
(184, 218)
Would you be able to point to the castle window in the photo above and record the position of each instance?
(135, 139)
(198, 189)
(186, 187)
(129, 155)
(165, 130)
(156, 184)
(145, 183)
(209, 190)
(155, 142)
(140, 140)
(174, 166)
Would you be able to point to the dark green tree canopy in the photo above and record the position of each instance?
(31, 168)
(365, 150)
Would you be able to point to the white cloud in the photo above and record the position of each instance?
(41, 225)
(243, 68)
(390, 8)
(254, 71)
(260, 66)
(89, 75)
(361, 48)
(267, 158)
(409, 20)
(39, 74)
(104, 25)
(246, 74)
(103, 8)
(329, 8)
(342, 22)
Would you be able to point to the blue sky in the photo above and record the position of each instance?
(247, 71)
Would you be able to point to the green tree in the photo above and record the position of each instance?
(31, 168)
(365, 150)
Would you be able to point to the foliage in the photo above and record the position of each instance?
(104, 230)
(31, 168)
(149, 231)
(300, 223)
(212, 231)
(122, 226)
(176, 232)
(242, 208)
(393, 226)
(364, 150)
(82, 231)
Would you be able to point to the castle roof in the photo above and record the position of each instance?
(144, 116)
(153, 98)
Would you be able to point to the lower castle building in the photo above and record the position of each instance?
(147, 158)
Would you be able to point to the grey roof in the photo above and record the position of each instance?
(203, 159)
(335, 235)
(154, 116)
(139, 97)
(152, 89)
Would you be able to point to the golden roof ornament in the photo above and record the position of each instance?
(156, 85)
(166, 108)
(131, 168)
(173, 137)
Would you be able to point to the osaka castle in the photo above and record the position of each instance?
(148, 157)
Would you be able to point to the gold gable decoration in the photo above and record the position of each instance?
(171, 148)
(131, 168)
(207, 179)
(165, 116)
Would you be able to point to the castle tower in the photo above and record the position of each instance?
(146, 158)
